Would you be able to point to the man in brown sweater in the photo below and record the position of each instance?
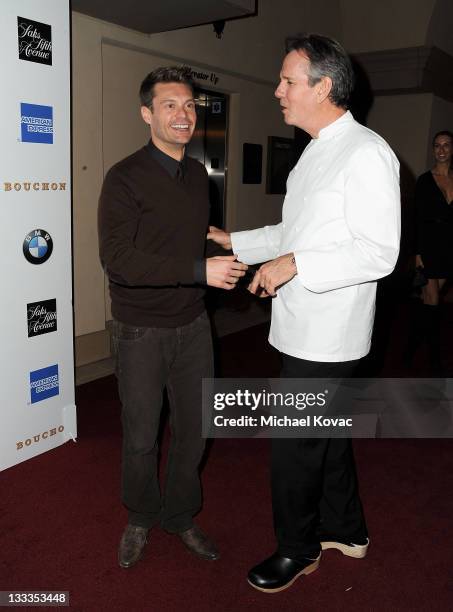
(153, 216)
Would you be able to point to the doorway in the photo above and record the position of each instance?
(208, 146)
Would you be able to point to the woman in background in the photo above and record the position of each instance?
(434, 231)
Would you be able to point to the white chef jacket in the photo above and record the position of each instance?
(341, 219)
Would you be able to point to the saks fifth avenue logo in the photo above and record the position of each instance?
(36, 123)
(35, 186)
(42, 317)
(40, 437)
(35, 41)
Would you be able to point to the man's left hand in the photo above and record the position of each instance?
(272, 275)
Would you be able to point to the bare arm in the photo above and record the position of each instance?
(220, 237)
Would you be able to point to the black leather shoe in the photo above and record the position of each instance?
(198, 543)
(278, 573)
(132, 545)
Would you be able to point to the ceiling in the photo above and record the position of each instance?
(152, 16)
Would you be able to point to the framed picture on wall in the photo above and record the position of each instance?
(252, 162)
(280, 161)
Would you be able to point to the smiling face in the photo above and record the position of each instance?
(443, 149)
(300, 102)
(171, 117)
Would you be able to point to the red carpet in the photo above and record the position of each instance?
(61, 521)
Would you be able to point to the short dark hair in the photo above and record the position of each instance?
(164, 74)
(443, 133)
(327, 58)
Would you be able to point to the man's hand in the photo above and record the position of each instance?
(219, 236)
(224, 272)
(272, 275)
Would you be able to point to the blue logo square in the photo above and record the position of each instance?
(44, 383)
(36, 123)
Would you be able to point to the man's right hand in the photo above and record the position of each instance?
(219, 236)
(224, 272)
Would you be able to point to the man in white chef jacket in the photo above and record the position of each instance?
(339, 234)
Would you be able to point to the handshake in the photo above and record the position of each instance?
(224, 272)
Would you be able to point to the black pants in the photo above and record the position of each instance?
(314, 483)
(148, 360)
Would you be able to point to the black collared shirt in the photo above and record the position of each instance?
(170, 165)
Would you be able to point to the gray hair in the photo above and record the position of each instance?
(327, 59)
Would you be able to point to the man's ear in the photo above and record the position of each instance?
(324, 88)
(146, 114)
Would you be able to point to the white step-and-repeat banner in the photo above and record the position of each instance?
(37, 408)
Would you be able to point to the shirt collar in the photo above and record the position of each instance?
(170, 164)
(337, 126)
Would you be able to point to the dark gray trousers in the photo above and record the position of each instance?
(148, 360)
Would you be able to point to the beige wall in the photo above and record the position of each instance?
(369, 25)
(404, 121)
(408, 123)
(87, 176)
(441, 119)
(384, 24)
(253, 46)
(440, 29)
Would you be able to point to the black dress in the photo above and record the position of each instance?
(434, 228)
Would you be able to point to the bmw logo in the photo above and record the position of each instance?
(37, 246)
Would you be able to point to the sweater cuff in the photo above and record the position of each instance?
(199, 271)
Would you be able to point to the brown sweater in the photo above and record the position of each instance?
(152, 231)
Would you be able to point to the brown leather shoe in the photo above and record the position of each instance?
(198, 543)
(132, 545)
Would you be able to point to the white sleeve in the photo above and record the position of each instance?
(372, 213)
(256, 246)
